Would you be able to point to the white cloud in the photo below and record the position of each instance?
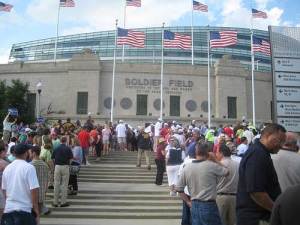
(261, 4)
(4, 55)
(274, 18)
(101, 16)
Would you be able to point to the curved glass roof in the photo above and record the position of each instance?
(102, 44)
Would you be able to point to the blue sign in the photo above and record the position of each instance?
(13, 112)
(40, 119)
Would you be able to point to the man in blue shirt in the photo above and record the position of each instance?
(258, 185)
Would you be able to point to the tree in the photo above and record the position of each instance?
(15, 96)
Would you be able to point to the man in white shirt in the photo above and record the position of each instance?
(157, 127)
(20, 187)
(243, 147)
(287, 162)
(121, 135)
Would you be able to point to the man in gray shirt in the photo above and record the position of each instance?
(227, 186)
(287, 162)
(201, 177)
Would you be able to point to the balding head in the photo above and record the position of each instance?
(291, 142)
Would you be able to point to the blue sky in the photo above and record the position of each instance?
(36, 19)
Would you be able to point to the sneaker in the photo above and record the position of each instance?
(173, 194)
(65, 205)
(97, 159)
(51, 187)
(47, 212)
(149, 167)
(138, 165)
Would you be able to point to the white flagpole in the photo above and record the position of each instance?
(162, 71)
(113, 78)
(192, 30)
(57, 26)
(208, 79)
(252, 75)
(123, 50)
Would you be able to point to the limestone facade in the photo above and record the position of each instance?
(86, 73)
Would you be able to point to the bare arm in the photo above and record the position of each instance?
(35, 198)
(263, 200)
(186, 199)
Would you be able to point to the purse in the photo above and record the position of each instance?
(74, 168)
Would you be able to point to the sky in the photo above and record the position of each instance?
(37, 19)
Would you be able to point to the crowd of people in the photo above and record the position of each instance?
(224, 175)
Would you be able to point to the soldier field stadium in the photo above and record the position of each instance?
(79, 82)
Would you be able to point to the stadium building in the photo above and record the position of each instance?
(80, 81)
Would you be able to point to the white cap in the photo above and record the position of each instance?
(27, 130)
(121, 121)
(191, 127)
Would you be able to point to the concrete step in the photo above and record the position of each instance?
(115, 215)
(87, 221)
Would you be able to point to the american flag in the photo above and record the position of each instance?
(66, 3)
(261, 45)
(221, 39)
(259, 14)
(135, 3)
(131, 37)
(5, 7)
(200, 7)
(176, 40)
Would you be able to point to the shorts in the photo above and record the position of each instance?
(122, 140)
(105, 142)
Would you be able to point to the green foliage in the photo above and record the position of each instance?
(15, 96)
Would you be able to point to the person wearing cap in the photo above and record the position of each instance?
(121, 135)
(144, 146)
(160, 161)
(20, 186)
(157, 128)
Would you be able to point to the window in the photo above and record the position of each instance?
(82, 102)
(174, 105)
(141, 104)
(31, 99)
(231, 104)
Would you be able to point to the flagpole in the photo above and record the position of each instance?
(162, 71)
(252, 80)
(192, 30)
(208, 78)
(252, 70)
(113, 78)
(56, 39)
(123, 49)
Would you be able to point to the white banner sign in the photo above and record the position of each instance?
(288, 109)
(287, 65)
(287, 79)
(291, 124)
(288, 94)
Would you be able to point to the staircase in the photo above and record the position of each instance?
(114, 191)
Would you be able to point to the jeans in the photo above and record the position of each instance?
(186, 214)
(18, 218)
(161, 168)
(205, 213)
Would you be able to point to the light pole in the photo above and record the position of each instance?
(257, 64)
(39, 90)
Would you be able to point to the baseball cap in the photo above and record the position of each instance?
(28, 130)
(22, 148)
